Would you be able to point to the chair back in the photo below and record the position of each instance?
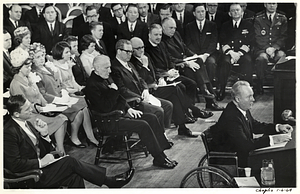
(74, 11)
(207, 139)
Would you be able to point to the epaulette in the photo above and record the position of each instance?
(259, 14)
(280, 13)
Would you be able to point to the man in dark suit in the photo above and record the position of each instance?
(158, 52)
(235, 127)
(158, 87)
(27, 146)
(202, 38)
(104, 96)
(132, 85)
(236, 39)
(7, 66)
(247, 14)
(79, 73)
(215, 15)
(118, 18)
(154, 7)
(105, 12)
(96, 29)
(193, 69)
(79, 20)
(14, 21)
(49, 31)
(145, 15)
(270, 37)
(181, 14)
(132, 27)
(34, 16)
(166, 10)
(108, 38)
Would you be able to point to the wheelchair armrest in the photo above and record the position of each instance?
(35, 177)
(11, 177)
(117, 113)
(223, 153)
(132, 99)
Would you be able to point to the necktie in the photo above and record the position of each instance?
(180, 18)
(51, 29)
(34, 140)
(131, 27)
(270, 18)
(200, 27)
(144, 20)
(39, 13)
(212, 18)
(16, 24)
(235, 25)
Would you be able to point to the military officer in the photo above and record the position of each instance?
(235, 38)
(270, 34)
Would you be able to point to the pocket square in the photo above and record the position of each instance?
(208, 33)
(60, 35)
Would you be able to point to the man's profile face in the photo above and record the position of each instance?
(16, 12)
(126, 52)
(245, 99)
(98, 32)
(138, 48)
(103, 68)
(169, 28)
(25, 112)
(6, 41)
(155, 35)
(74, 47)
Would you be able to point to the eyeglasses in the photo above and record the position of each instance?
(139, 48)
(127, 51)
(91, 16)
(118, 9)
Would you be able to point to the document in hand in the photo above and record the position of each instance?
(246, 182)
(71, 101)
(53, 108)
(171, 84)
(191, 58)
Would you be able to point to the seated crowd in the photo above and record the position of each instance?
(164, 55)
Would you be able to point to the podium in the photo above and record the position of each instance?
(284, 88)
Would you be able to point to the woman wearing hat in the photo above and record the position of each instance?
(53, 91)
(24, 85)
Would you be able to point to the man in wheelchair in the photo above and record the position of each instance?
(235, 127)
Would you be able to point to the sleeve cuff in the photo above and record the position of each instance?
(40, 163)
(271, 140)
(277, 128)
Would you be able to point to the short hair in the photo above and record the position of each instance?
(48, 5)
(70, 39)
(114, 4)
(120, 44)
(93, 25)
(86, 40)
(15, 103)
(233, 4)
(166, 6)
(131, 5)
(235, 90)
(20, 33)
(99, 57)
(166, 20)
(154, 26)
(91, 7)
(16, 70)
(197, 5)
(58, 49)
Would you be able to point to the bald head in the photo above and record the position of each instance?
(169, 26)
(102, 65)
(137, 46)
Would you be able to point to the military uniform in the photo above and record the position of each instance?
(237, 40)
(268, 34)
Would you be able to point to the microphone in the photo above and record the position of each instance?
(287, 115)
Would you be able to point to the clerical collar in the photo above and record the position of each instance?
(153, 44)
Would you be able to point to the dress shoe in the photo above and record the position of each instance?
(207, 94)
(89, 142)
(189, 120)
(202, 114)
(81, 145)
(165, 163)
(214, 107)
(185, 131)
(172, 161)
(122, 179)
(221, 95)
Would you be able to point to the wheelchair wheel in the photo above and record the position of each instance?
(207, 177)
(203, 161)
